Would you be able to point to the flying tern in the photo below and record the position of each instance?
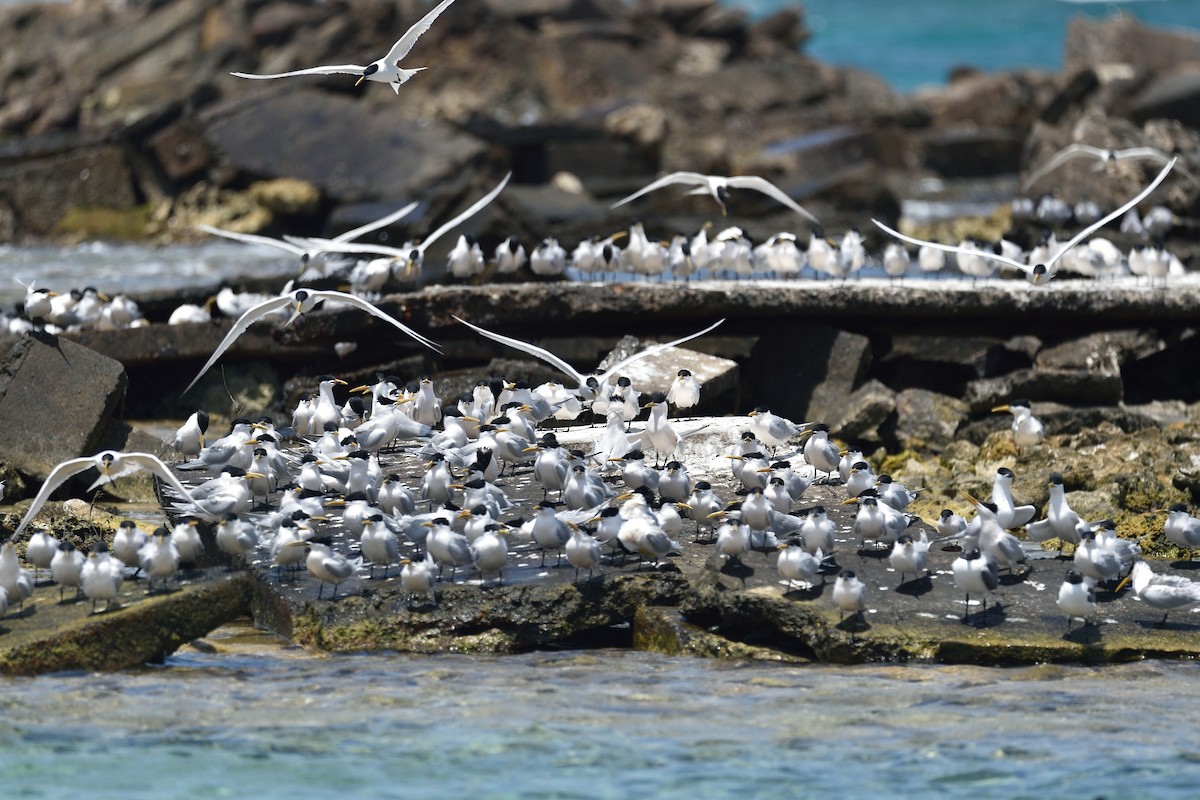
(719, 186)
(1038, 273)
(1105, 158)
(385, 70)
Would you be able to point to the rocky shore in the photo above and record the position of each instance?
(584, 101)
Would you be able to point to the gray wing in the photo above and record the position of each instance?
(339, 568)
(405, 43)
(686, 178)
(57, 477)
(1142, 153)
(1063, 156)
(336, 246)
(358, 302)
(952, 249)
(338, 69)
(1095, 226)
(251, 315)
(251, 238)
(770, 190)
(383, 222)
(152, 463)
(649, 351)
(478, 206)
(1040, 531)
(530, 349)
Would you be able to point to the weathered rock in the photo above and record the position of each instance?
(57, 400)
(972, 152)
(804, 371)
(333, 144)
(1168, 374)
(718, 377)
(38, 191)
(1175, 95)
(1124, 40)
(864, 411)
(1069, 386)
(925, 420)
(944, 364)
(1104, 352)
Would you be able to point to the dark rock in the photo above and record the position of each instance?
(1080, 85)
(1168, 374)
(1123, 40)
(350, 151)
(863, 411)
(1069, 386)
(1175, 95)
(810, 387)
(972, 152)
(181, 150)
(944, 364)
(273, 23)
(924, 420)
(57, 400)
(1104, 352)
(38, 191)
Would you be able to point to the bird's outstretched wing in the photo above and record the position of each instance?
(952, 249)
(772, 191)
(478, 206)
(649, 351)
(248, 318)
(336, 246)
(153, 464)
(1095, 226)
(58, 476)
(405, 43)
(687, 178)
(531, 349)
(353, 300)
(251, 238)
(337, 69)
(1068, 153)
(382, 222)
(1143, 154)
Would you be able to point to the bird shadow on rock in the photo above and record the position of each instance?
(991, 617)
(1014, 578)
(1088, 633)
(1158, 624)
(1185, 564)
(916, 587)
(877, 553)
(855, 623)
(736, 568)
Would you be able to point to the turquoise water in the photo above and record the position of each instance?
(606, 724)
(916, 43)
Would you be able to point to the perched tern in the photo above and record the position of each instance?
(1077, 598)
(112, 465)
(300, 301)
(1027, 430)
(385, 70)
(1105, 159)
(849, 594)
(719, 187)
(1042, 272)
(1163, 592)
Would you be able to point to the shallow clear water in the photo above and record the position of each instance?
(596, 725)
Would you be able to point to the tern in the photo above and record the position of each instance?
(411, 255)
(585, 385)
(849, 594)
(112, 465)
(719, 186)
(1163, 592)
(1105, 159)
(385, 70)
(307, 253)
(1042, 272)
(300, 301)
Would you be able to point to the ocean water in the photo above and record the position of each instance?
(916, 43)
(599, 724)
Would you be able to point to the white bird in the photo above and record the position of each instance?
(112, 465)
(189, 438)
(40, 551)
(910, 556)
(772, 429)
(186, 538)
(101, 576)
(66, 568)
(510, 256)
(127, 544)
(385, 70)
(1027, 430)
(236, 536)
(1182, 529)
(1060, 522)
(1040, 272)
(305, 252)
(797, 564)
(1008, 515)
(583, 552)
(849, 594)
(15, 580)
(418, 577)
(719, 187)
(379, 545)
(975, 573)
(158, 558)
(489, 550)
(300, 301)
(684, 391)
(411, 257)
(1077, 598)
(325, 565)
(950, 525)
(896, 260)
(582, 382)
(1106, 159)
(816, 532)
(1163, 592)
(821, 453)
